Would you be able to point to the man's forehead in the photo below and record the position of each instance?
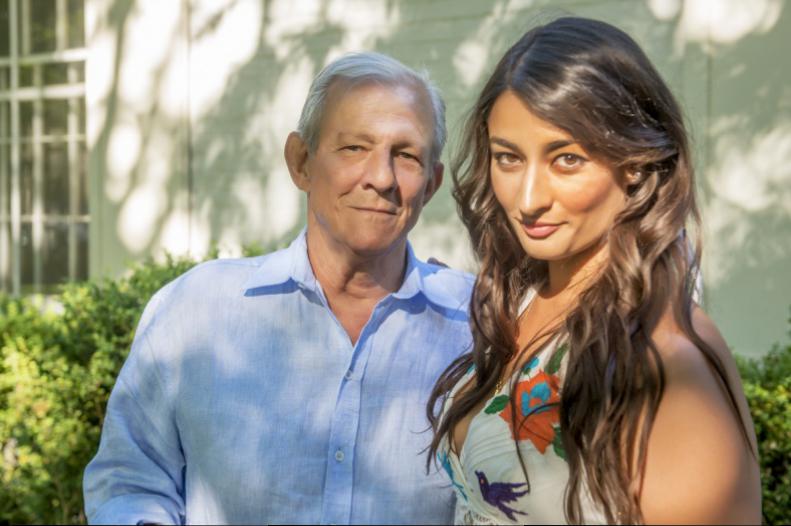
(353, 100)
(413, 93)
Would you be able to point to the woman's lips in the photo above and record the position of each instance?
(540, 230)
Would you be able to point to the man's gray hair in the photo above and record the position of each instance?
(359, 68)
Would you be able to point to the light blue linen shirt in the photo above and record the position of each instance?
(244, 401)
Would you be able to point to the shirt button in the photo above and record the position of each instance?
(348, 374)
(339, 456)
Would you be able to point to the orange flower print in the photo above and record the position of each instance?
(538, 411)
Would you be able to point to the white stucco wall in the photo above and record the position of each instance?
(189, 103)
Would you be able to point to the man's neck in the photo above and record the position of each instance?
(353, 283)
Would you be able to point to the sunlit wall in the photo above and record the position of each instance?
(189, 103)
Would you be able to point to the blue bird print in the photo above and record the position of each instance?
(498, 493)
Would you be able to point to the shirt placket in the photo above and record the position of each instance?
(338, 484)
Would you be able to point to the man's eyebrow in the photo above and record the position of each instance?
(355, 136)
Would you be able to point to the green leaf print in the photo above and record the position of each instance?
(557, 444)
(554, 363)
(497, 405)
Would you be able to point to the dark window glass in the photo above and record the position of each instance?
(5, 120)
(5, 78)
(26, 178)
(5, 180)
(5, 29)
(5, 252)
(42, 26)
(26, 253)
(81, 114)
(56, 178)
(56, 116)
(82, 250)
(54, 74)
(26, 76)
(55, 254)
(26, 119)
(76, 23)
(82, 174)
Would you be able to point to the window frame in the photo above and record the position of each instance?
(12, 143)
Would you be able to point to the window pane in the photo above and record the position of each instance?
(5, 120)
(83, 179)
(26, 76)
(5, 181)
(26, 178)
(5, 252)
(55, 254)
(56, 178)
(26, 253)
(79, 71)
(56, 116)
(55, 74)
(42, 26)
(5, 29)
(26, 119)
(81, 115)
(82, 250)
(76, 23)
(5, 77)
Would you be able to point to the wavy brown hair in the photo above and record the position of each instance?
(593, 81)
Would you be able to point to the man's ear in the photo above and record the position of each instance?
(296, 154)
(434, 182)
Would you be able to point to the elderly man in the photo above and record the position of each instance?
(291, 388)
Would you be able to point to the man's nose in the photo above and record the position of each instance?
(380, 171)
(535, 195)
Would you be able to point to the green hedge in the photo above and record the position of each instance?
(767, 384)
(57, 370)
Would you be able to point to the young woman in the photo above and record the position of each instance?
(596, 390)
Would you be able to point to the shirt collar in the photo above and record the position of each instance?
(293, 264)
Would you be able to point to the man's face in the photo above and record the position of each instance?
(372, 170)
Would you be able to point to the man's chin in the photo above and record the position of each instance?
(375, 246)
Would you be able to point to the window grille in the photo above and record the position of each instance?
(44, 214)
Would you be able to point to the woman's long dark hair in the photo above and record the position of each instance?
(593, 81)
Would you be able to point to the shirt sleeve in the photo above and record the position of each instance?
(137, 475)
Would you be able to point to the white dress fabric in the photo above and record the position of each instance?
(490, 484)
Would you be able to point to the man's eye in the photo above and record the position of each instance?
(409, 157)
(353, 148)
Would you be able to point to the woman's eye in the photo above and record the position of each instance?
(569, 161)
(505, 159)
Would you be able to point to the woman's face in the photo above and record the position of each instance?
(559, 201)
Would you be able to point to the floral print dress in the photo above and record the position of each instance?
(491, 487)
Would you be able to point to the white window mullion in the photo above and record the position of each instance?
(5, 239)
(38, 184)
(23, 22)
(16, 200)
(61, 25)
(74, 172)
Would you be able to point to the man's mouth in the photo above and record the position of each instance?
(376, 209)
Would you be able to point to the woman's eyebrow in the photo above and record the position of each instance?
(507, 144)
(555, 145)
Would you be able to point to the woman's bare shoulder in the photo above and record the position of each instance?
(699, 467)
